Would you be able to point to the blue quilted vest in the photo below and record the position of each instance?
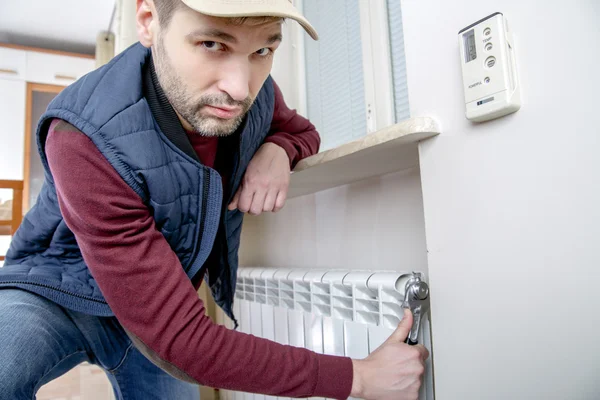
(185, 197)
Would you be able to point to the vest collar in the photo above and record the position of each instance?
(163, 112)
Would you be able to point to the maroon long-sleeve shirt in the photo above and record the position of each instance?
(148, 290)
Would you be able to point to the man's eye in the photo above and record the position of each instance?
(212, 46)
(265, 51)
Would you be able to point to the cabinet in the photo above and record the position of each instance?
(13, 64)
(55, 69)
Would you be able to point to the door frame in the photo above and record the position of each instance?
(32, 87)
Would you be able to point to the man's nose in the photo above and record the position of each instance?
(235, 80)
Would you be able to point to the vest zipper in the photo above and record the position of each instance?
(237, 168)
(205, 188)
(225, 244)
(57, 289)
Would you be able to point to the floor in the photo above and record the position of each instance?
(85, 382)
(88, 382)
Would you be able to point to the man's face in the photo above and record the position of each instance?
(212, 70)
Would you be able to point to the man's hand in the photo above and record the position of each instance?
(394, 370)
(265, 184)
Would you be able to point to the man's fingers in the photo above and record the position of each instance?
(280, 202)
(423, 351)
(245, 200)
(401, 333)
(270, 201)
(234, 202)
(258, 202)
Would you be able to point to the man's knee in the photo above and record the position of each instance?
(34, 339)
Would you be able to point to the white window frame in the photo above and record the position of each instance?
(289, 69)
(289, 65)
(377, 64)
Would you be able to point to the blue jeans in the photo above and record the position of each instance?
(40, 341)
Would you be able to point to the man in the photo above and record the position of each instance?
(150, 163)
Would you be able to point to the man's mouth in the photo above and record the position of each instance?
(224, 112)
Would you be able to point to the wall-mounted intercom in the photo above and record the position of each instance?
(490, 79)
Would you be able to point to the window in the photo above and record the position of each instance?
(401, 106)
(355, 75)
(335, 87)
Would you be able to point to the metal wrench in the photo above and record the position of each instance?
(416, 299)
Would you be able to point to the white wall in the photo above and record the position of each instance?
(373, 224)
(12, 130)
(125, 25)
(288, 65)
(32, 23)
(512, 206)
(511, 209)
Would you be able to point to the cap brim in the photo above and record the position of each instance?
(228, 10)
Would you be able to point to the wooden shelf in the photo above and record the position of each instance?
(388, 150)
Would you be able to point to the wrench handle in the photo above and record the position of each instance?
(411, 342)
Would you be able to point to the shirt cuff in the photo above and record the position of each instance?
(287, 146)
(335, 377)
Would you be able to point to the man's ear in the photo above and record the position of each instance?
(146, 22)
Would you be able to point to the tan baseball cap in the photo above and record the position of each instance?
(252, 8)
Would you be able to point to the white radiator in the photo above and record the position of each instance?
(344, 313)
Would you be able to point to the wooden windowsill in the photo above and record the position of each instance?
(388, 150)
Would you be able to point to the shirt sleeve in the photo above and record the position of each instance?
(153, 299)
(294, 133)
